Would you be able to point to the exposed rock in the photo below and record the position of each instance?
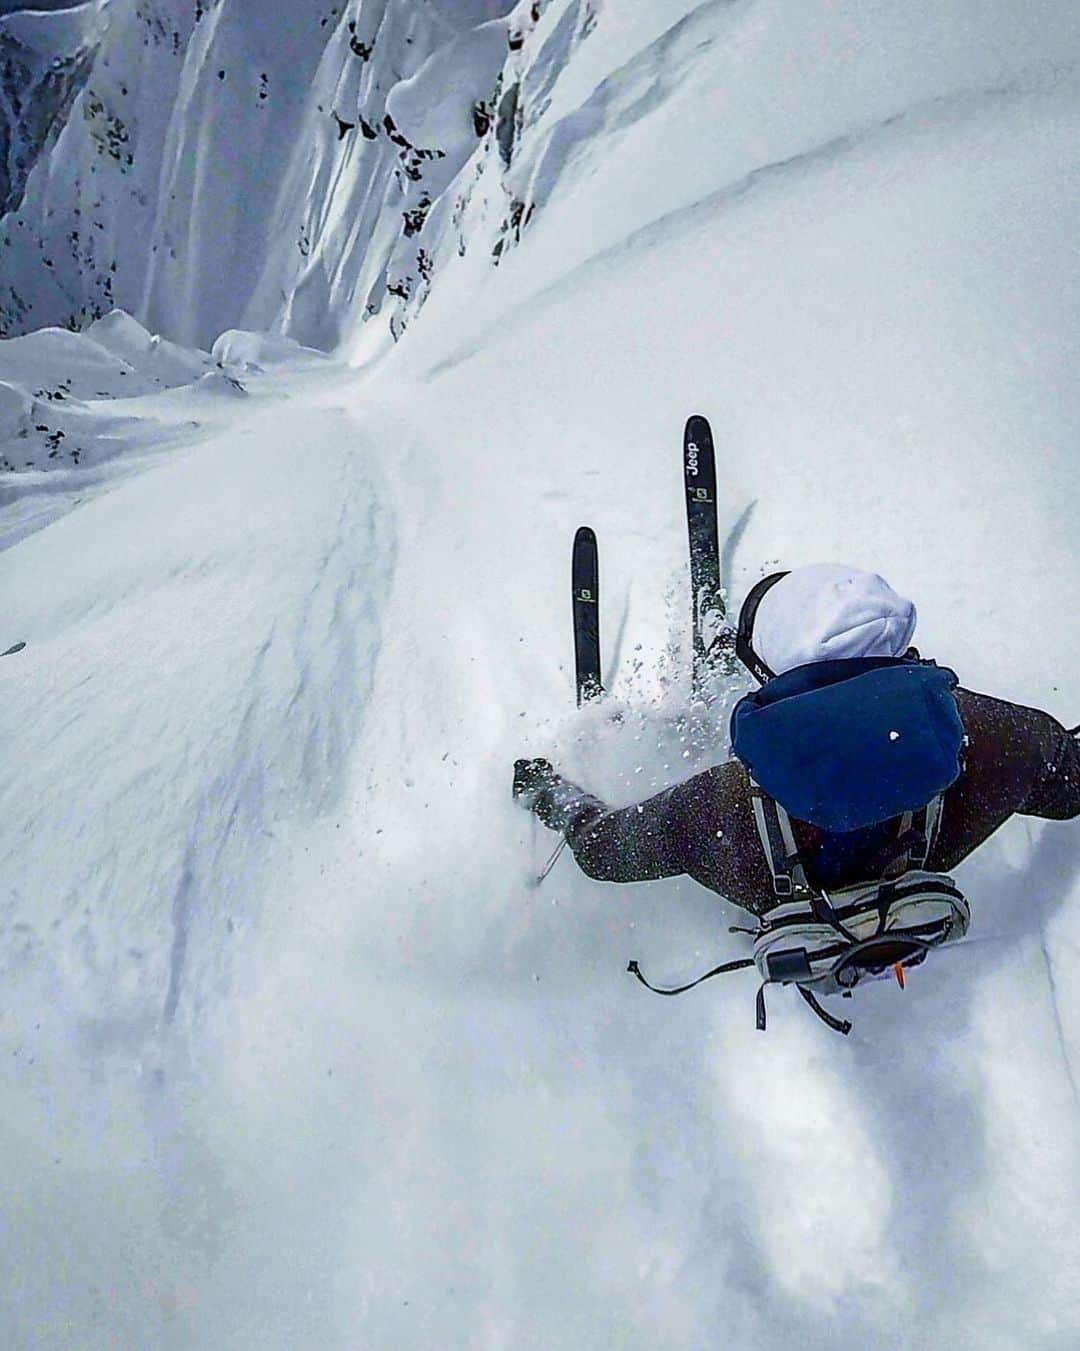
(505, 126)
(36, 94)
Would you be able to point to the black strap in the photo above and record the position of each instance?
(778, 843)
(899, 856)
(744, 633)
(837, 1024)
(772, 843)
(822, 910)
(716, 971)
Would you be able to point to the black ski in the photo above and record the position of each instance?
(585, 588)
(585, 599)
(699, 475)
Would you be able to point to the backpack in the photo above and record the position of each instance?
(862, 749)
(827, 943)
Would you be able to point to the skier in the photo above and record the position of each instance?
(855, 763)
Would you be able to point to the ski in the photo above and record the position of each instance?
(585, 589)
(707, 605)
(585, 602)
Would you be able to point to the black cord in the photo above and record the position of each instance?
(634, 969)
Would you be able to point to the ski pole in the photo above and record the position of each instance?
(551, 862)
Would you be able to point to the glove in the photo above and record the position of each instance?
(531, 777)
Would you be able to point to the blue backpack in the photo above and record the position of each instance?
(850, 744)
(862, 749)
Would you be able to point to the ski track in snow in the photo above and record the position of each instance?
(296, 679)
(1059, 1027)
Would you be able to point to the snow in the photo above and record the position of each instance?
(227, 164)
(291, 1054)
(48, 28)
(434, 106)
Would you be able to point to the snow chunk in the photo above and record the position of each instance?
(433, 108)
(166, 363)
(55, 397)
(238, 349)
(114, 357)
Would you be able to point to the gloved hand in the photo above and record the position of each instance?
(531, 777)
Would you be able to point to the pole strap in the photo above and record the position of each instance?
(551, 861)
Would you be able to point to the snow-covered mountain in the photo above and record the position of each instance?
(376, 302)
(228, 162)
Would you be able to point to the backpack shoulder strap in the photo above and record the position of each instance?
(932, 825)
(914, 839)
(778, 843)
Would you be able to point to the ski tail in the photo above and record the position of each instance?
(585, 592)
(711, 635)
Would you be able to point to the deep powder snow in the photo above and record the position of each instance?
(291, 1055)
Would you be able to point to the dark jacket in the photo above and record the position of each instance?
(1016, 760)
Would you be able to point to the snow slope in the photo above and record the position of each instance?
(292, 1055)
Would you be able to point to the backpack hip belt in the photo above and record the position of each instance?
(827, 943)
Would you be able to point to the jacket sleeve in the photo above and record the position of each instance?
(1016, 760)
(639, 843)
(1054, 793)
